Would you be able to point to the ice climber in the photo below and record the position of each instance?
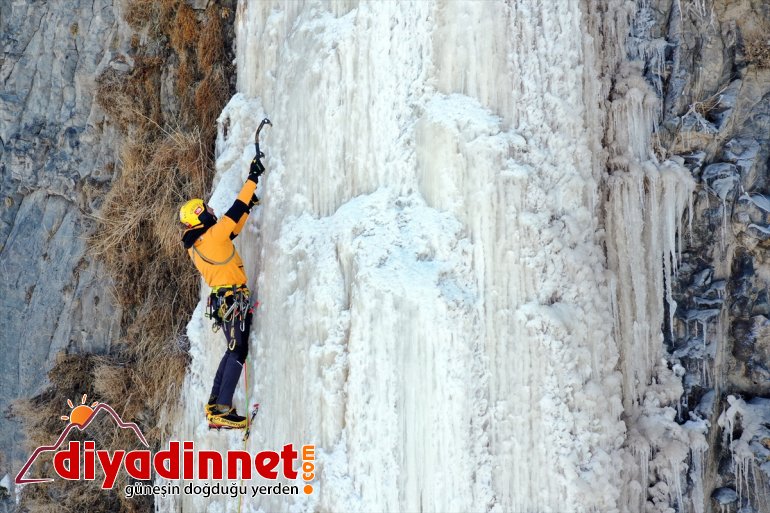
(209, 242)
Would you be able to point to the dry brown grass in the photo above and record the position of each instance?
(184, 30)
(139, 232)
(139, 13)
(210, 48)
(70, 377)
(757, 48)
(210, 98)
(119, 93)
(705, 107)
(185, 76)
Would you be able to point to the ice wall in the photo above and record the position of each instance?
(646, 203)
(436, 313)
(647, 198)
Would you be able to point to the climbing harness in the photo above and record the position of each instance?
(227, 305)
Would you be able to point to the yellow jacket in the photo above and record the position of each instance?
(211, 248)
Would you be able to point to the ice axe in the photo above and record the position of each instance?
(264, 122)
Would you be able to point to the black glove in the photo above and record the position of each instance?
(253, 201)
(257, 168)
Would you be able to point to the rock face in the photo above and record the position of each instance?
(708, 62)
(57, 156)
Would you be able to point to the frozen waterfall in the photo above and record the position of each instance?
(438, 314)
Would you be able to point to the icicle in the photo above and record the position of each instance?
(697, 476)
(642, 451)
(708, 380)
(677, 482)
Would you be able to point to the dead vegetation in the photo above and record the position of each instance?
(757, 48)
(117, 93)
(166, 158)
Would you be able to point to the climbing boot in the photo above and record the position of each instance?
(226, 417)
(210, 406)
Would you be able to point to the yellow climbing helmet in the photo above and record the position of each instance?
(188, 214)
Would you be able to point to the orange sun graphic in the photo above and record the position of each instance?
(80, 413)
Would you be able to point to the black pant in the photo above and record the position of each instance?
(229, 370)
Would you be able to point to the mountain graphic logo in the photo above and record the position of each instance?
(82, 461)
(80, 417)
